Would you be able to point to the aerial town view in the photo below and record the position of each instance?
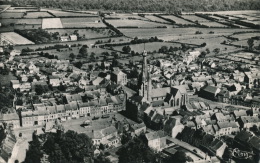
(129, 81)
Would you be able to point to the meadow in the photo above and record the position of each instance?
(21, 21)
(213, 24)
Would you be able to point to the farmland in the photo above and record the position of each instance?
(176, 19)
(59, 13)
(125, 16)
(82, 22)
(133, 23)
(156, 19)
(37, 14)
(12, 15)
(51, 23)
(194, 18)
(171, 33)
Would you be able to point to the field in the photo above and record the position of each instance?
(150, 47)
(59, 13)
(194, 18)
(11, 15)
(173, 33)
(21, 21)
(89, 33)
(176, 19)
(37, 15)
(213, 24)
(15, 38)
(154, 18)
(85, 42)
(133, 23)
(126, 16)
(82, 22)
(51, 23)
(245, 36)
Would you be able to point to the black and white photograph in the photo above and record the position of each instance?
(129, 81)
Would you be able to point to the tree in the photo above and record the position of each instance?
(30, 79)
(207, 50)
(34, 153)
(178, 157)
(83, 50)
(72, 56)
(78, 65)
(40, 89)
(136, 151)
(250, 43)
(216, 51)
(126, 49)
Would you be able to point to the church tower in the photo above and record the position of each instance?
(145, 84)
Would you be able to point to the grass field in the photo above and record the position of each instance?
(11, 15)
(51, 23)
(37, 15)
(89, 33)
(176, 19)
(148, 46)
(133, 23)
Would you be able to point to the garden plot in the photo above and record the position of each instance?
(51, 23)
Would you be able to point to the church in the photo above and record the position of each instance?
(154, 99)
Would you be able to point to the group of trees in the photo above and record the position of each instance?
(6, 99)
(60, 147)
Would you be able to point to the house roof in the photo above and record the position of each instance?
(210, 89)
(154, 135)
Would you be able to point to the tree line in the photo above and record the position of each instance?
(167, 6)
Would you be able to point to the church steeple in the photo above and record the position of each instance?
(145, 80)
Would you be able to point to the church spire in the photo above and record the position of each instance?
(145, 80)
